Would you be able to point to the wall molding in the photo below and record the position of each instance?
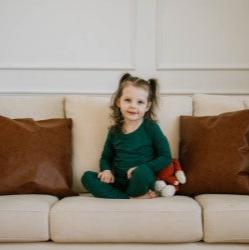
(68, 66)
(108, 93)
(189, 66)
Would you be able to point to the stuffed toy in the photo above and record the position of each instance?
(169, 179)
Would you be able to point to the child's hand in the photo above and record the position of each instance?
(106, 176)
(129, 172)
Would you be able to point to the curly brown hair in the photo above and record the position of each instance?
(127, 79)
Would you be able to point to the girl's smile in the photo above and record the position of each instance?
(132, 112)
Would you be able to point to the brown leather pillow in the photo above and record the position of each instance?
(35, 156)
(214, 153)
(245, 156)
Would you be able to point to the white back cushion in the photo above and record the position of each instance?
(170, 109)
(90, 116)
(246, 103)
(90, 125)
(36, 107)
(204, 105)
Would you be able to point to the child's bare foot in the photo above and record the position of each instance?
(151, 194)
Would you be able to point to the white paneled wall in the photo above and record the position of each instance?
(205, 34)
(79, 34)
(85, 45)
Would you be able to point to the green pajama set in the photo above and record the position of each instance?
(146, 148)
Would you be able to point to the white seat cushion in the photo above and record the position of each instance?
(225, 217)
(25, 218)
(126, 246)
(89, 219)
(36, 107)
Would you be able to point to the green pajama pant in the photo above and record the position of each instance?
(142, 180)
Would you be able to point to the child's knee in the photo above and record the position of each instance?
(143, 179)
(144, 173)
(88, 176)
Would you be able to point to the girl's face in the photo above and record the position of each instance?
(133, 103)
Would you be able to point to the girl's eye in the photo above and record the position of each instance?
(127, 100)
(140, 102)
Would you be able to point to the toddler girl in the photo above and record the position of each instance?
(135, 148)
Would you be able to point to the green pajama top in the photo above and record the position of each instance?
(146, 146)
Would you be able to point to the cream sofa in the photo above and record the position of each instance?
(84, 222)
